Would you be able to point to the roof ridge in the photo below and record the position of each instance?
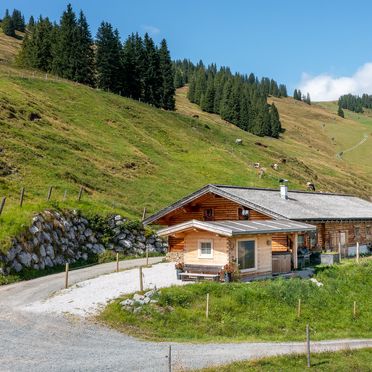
(272, 189)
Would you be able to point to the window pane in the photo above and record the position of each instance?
(246, 254)
(205, 248)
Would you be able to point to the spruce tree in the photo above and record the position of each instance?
(276, 126)
(192, 86)
(245, 113)
(108, 58)
(84, 53)
(7, 25)
(295, 94)
(153, 82)
(31, 24)
(18, 21)
(340, 112)
(65, 59)
(207, 103)
(227, 98)
(168, 101)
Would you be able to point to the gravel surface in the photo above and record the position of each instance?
(47, 341)
(90, 296)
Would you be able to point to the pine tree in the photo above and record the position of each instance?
(65, 50)
(178, 78)
(7, 25)
(37, 45)
(84, 53)
(18, 21)
(31, 24)
(168, 91)
(152, 73)
(245, 113)
(307, 99)
(226, 106)
(340, 112)
(191, 92)
(295, 95)
(276, 126)
(207, 103)
(108, 58)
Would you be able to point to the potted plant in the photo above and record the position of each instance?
(228, 270)
(179, 269)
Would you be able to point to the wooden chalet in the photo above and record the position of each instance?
(264, 231)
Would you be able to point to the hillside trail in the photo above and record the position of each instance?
(341, 153)
(51, 342)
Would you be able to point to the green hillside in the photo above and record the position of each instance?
(128, 155)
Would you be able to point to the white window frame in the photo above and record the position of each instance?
(200, 254)
(255, 253)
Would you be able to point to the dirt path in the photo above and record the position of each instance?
(341, 153)
(48, 342)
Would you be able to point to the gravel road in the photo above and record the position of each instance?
(50, 342)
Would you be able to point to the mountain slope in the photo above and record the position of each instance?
(128, 155)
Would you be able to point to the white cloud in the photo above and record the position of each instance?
(325, 87)
(152, 30)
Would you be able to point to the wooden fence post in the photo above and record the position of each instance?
(117, 262)
(49, 193)
(170, 358)
(339, 251)
(357, 252)
(21, 197)
(354, 309)
(80, 193)
(144, 214)
(66, 275)
(299, 308)
(207, 307)
(141, 278)
(147, 256)
(308, 345)
(65, 195)
(3, 200)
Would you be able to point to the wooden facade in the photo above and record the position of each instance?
(211, 207)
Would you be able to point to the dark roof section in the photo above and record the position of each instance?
(300, 205)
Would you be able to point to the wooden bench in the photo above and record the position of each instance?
(201, 272)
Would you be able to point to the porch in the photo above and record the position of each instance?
(248, 244)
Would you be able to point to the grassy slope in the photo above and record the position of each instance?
(259, 311)
(129, 155)
(342, 361)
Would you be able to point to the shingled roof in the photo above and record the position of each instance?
(300, 205)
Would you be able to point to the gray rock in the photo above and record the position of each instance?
(11, 255)
(25, 259)
(35, 258)
(50, 251)
(146, 300)
(84, 256)
(126, 244)
(48, 262)
(150, 293)
(42, 251)
(88, 232)
(127, 302)
(137, 310)
(154, 301)
(33, 229)
(138, 297)
(16, 266)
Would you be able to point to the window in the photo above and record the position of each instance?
(368, 230)
(243, 213)
(246, 254)
(313, 239)
(301, 241)
(205, 249)
(357, 232)
(208, 214)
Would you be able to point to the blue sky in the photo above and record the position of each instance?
(326, 40)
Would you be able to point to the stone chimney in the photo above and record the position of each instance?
(284, 191)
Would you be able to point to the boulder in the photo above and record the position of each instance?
(25, 259)
(16, 266)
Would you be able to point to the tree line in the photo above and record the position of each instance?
(12, 23)
(298, 96)
(355, 103)
(135, 68)
(237, 98)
